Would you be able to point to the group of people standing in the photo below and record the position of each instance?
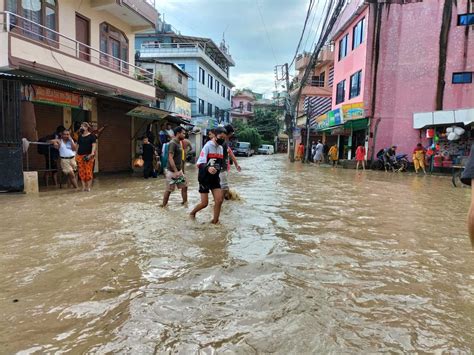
(74, 155)
(322, 153)
(213, 164)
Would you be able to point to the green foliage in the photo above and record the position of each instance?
(266, 123)
(247, 134)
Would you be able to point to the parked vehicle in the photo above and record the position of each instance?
(244, 149)
(266, 149)
(400, 163)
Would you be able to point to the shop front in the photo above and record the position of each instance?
(447, 135)
(347, 127)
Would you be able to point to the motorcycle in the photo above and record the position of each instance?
(399, 164)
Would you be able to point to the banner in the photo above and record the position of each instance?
(182, 108)
(41, 94)
(353, 111)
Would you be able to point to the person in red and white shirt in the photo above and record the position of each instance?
(210, 164)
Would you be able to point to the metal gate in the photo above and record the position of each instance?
(11, 165)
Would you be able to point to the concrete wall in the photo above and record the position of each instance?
(169, 74)
(354, 61)
(29, 52)
(408, 69)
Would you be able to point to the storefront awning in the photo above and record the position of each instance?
(149, 113)
(357, 125)
(438, 118)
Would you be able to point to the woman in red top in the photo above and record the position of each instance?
(360, 156)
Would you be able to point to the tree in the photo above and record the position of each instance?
(266, 123)
(244, 133)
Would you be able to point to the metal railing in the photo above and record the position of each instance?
(171, 47)
(24, 27)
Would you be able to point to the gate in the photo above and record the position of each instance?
(11, 165)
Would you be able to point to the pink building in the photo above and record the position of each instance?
(391, 53)
(242, 106)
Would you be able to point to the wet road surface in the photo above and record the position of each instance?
(311, 260)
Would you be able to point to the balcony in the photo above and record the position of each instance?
(140, 14)
(326, 55)
(32, 47)
(182, 50)
(302, 61)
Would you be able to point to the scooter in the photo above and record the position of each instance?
(399, 164)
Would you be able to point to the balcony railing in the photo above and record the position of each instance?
(23, 27)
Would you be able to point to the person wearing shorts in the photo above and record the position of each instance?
(210, 164)
(67, 156)
(228, 156)
(174, 171)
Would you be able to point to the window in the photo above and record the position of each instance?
(223, 91)
(210, 82)
(358, 34)
(217, 112)
(37, 12)
(340, 92)
(343, 47)
(466, 19)
(249, 107)
(355, 84)
(209, 109)
(228, 94)
(180, 79)
(227, 116)
(202, 76)
(241, 106)
(318, 80)
(201, 107)
(182, 66)
(218, 86)
(114, 43)
(462, 78)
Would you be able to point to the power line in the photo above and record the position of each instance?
(266, 31)
(308, 14)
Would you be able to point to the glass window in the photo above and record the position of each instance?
(462, 78)
(202, 76)
(114, 43)
(223, 91)
(209, 109)
(340, 92)
(228, 94)
(218, 86)
(355, 84)
(249, 107)
(201, 106)
(343, 47)
(182, 66)
(217, 112)
(210, 82)
(358, 34)
(318, 80)
(466, 19)
(180, 79)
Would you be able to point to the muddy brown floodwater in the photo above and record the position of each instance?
(309, 261)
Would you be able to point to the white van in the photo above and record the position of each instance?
(266, 149)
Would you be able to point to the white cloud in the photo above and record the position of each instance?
(261, 82)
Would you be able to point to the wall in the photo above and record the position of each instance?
(354, 61)
(408, 69)
(168, 74)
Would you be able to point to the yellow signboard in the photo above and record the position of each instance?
(353, 111)
(182, 108)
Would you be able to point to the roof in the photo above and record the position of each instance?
(176, 66)
(351, 11)
(210, 44)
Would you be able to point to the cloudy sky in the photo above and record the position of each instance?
(254, 52)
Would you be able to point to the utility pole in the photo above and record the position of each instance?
(290, 115)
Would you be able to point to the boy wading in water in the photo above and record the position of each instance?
(210, 163)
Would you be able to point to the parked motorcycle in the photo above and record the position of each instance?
(399, 164)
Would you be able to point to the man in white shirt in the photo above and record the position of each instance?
(169, 132)
(67, 153)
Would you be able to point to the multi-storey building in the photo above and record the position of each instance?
(243, 102)
(208, 66)
(402, 75)
(63, 62)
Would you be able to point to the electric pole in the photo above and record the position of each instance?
(290, 115)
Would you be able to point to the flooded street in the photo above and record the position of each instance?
(309, 261)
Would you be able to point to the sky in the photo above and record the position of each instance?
(255, 45)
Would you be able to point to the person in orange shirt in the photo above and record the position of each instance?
(419, 158)
(300, 152)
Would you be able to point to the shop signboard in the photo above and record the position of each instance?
(332, 118)
(182, 108)
(353, 111)
(41, 94)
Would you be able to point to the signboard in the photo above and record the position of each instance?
(41, 94)
(330, 119)
(353, 111)
(182, 108)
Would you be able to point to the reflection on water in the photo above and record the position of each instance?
(311, 260)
